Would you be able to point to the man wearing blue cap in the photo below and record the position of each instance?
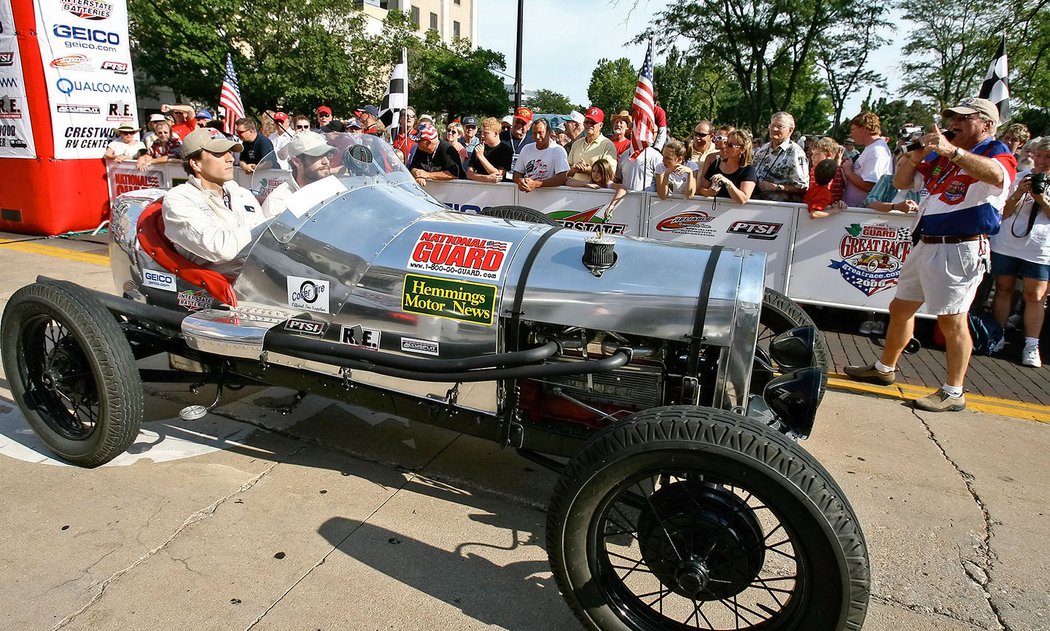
(368, 115)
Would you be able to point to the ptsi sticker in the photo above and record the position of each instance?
(308, 294)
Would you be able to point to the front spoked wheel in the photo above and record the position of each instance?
(72, 372)
(690, 518)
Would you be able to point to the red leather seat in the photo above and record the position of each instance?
(154, 243)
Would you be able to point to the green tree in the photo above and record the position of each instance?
(843, 58)
(551, 102)
(767, 46)
(298, 61)
(457, 80)
(612, 85)
(689, 91)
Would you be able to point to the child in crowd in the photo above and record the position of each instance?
(819, 199)
(673, 176)
(602, 172)
(827, 149)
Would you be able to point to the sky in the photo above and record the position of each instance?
(565, 39)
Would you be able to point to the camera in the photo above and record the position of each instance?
(915, 138)
(1039, 183)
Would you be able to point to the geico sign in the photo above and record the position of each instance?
(83, 34)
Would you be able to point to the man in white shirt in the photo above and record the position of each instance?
(210, 219)
(542, 163)
(875, 161)
(309, 159)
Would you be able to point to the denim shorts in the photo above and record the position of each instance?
(1006, 265)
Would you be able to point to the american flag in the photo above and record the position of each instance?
(644, 129)
(230, 98)
(996, 86)
(396, 97)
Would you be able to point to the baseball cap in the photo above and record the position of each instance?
(426, 131)
(371, 110)
(309, 143)
(426, 117)
(524, 114)
(205, 114)
(208, 139)
(973, 105)
(470, 120)
(156, 118)
(353, 123)
(595, 114)
(324, 109)
(280, 116)
(508, 119)
(126, 127)
(577, 117)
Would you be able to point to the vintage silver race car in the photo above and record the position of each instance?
(661, 380)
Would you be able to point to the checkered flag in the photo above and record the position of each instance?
(996, 86)
(396, 97)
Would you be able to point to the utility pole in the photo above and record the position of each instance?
(517, 62)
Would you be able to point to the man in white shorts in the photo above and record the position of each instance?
(964, 180)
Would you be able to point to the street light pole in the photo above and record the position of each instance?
(517, 62)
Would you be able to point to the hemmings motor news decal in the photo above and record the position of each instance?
(308, 294)
(445, 298)
(463, 256)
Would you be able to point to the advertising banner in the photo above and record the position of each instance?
(582, 209)
(850, 259)
(16, 132)
(472, 197)
(756, 227)
(87, 68)
(126, 178)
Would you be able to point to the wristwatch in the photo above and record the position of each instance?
(780, 187)
(958, 153)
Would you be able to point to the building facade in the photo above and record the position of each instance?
(452, 19)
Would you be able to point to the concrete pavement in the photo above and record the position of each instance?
(331, 517)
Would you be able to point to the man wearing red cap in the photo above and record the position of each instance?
(590, 148)
(434, 158)
(520, 135)
(324, 115)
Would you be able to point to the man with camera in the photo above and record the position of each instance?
(963, 175)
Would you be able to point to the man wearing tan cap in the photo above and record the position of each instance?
(210, 218)
(309, 159)
(963, 174)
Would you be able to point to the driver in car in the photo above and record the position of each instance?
(210, 218)
(309, 157)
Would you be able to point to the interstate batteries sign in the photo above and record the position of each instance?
(87, 68)
(16, 132)
(452, 299)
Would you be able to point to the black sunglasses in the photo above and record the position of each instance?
(701, 134)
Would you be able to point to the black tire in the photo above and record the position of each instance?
(693, 518)
(779, 314)
(519, 213)
(72, 372)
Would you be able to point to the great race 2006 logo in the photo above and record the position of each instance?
(872, 256)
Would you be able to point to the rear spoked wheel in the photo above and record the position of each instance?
(690, 518)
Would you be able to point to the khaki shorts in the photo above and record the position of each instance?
(945, 276)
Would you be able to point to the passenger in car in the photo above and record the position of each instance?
(309, 158)
(210, 218)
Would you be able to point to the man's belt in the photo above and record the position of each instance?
(952, 239)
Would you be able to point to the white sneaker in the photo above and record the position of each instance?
(866, 326)
(1030, 357)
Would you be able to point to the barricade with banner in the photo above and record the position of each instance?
(850, 260)
(760, 226)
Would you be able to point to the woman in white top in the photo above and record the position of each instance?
(126, 146)
(1022, 248)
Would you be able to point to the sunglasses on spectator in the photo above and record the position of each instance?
(302, 127)
(701, 134)
(734, 145)
(324, 116)
(721, 138)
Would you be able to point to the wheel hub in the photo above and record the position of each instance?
(700, 540)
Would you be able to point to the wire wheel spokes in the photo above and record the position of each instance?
(58, 378)
(699, 554)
